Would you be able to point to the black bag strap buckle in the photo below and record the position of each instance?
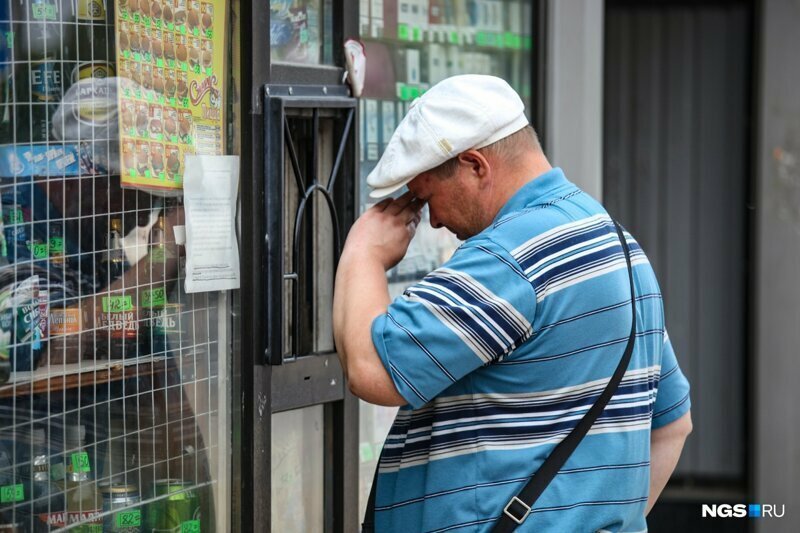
(511, 515)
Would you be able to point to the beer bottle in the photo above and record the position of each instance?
(48, 500)
(83, 504)
(114, 258)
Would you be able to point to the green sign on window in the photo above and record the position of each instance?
(129, 518)
(117, 304)
(80, 462)
(190, 526)
(13, 493)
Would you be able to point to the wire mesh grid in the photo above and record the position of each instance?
(107, 414)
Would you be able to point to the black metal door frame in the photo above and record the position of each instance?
(270, 388)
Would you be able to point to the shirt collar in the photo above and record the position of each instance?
(538, 190)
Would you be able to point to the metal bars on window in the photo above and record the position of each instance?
(309, 133)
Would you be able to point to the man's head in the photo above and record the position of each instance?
(464, 146)
(465, 193)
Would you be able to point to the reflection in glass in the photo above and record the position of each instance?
(300, 31)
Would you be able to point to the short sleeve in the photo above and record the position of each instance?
(672, 399)
(472, 311)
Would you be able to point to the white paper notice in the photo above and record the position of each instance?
(210, 187)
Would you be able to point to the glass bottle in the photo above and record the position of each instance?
(48, 499)
(84, 505)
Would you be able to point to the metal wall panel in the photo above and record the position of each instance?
(777, 301)
(676, 174)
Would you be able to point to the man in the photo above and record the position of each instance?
(496, 355)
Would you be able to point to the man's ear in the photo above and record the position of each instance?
(476, 162)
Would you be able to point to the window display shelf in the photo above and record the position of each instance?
(75, 375)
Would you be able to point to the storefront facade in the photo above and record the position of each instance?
(126, 402)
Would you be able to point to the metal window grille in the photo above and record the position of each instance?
(106, 388)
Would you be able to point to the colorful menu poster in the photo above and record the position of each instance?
(171, 67)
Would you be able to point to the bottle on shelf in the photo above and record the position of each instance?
(84, 505)
(114, 258)
(48, 504)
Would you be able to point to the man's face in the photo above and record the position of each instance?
(454, 202)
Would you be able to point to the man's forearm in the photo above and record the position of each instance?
(666, 444)
(361, 294)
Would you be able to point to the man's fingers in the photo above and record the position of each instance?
(400, 203)
(383, 204)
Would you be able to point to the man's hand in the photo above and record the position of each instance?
(384, 231)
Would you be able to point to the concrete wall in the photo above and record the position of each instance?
(574, 91)
(777, 303)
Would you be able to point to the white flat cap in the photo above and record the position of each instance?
(457, 114)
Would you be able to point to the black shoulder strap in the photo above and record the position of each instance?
(518, 509)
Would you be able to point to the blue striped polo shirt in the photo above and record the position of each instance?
(502, 350)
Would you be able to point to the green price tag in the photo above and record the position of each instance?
(174, 138)
(127, 55)
(80, 460)
(209, 34)
(148, 57)
(186, 102)
(402, 32)
(183, 29)
(190, 526)
(13, 493)
(161, 99)
(147, 173)
(161, 175)
(481, 39)
(146, 134)
(154, 297)
(147, 21)
(132, 173)
(137, 56)
(197, 69)
(158, 136)
(138, 93)
(171, 63)
(39, 250)
(158, 23)
(16, 217)
(453, 37)
(149, 97)
(196, 32)
(208, 71)
(417, 34)
(132, 132)
(124, 14)
(116, 304)
(405, 92)
(136, 18)
(184, 66)
(10, 39)
(57, 245)
(171, 26)
(160, 62)
(129, 518)
(189, 139)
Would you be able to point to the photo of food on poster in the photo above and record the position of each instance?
(170, 61)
